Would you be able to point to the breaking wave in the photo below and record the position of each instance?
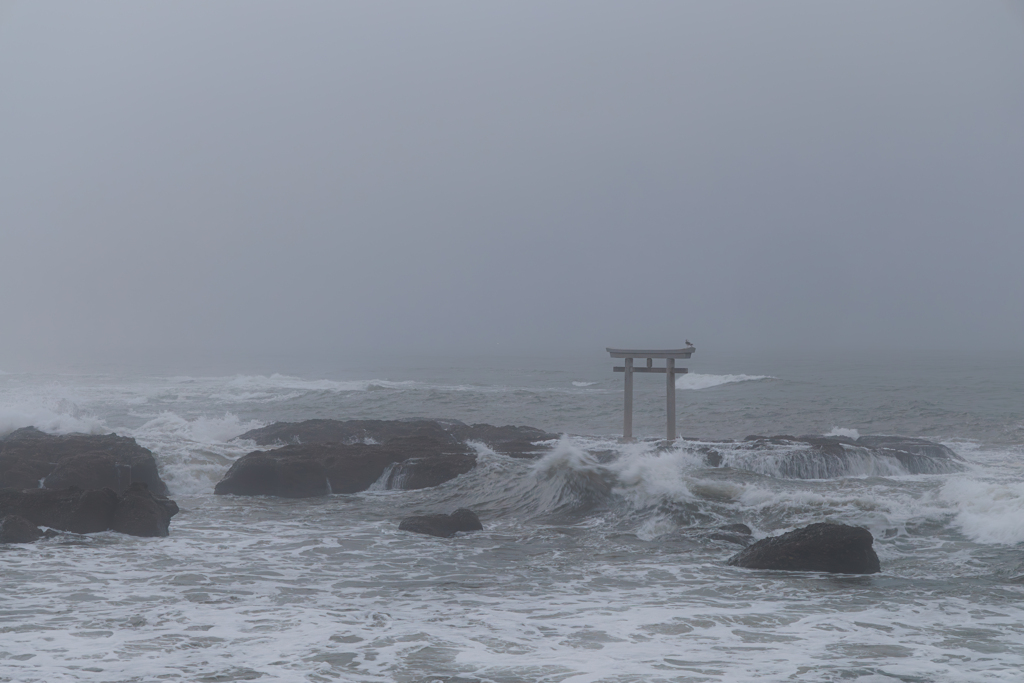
(52, 417)
(987, 512)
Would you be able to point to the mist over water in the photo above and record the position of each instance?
(595, 563)
(217, 216)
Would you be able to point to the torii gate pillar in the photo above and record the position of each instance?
(670, 371)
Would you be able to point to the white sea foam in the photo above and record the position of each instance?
(841, 431)
(987, 512)
(696, 380)
(647, 476)
(53, 419)
(583, 384)
(277, 387)
(194, 454)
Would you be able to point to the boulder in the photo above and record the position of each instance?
(444, 526)
(30, 458)
(140, 513)
(509, 440)
(305, 470)
(17, 529)
(822, 547)
(289, 472)
(71, 509)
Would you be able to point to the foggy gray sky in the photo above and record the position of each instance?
(509, 177)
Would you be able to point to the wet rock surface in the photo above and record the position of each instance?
(30, 458)
(822, 547)
(17, 529)
(444, 526)
(138, 512)
(516, 441)
(71, 509)
(306, 470)
(825, 457)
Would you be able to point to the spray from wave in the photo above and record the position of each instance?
(987, 512)
(55, 417)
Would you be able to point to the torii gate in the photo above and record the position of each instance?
(670, 371)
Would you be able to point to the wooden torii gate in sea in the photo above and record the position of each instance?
(670, 371)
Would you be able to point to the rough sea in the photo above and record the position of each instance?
(592, 565)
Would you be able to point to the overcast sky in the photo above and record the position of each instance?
(509, 177)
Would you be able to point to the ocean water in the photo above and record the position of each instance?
(593, 565)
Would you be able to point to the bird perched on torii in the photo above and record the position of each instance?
(689, 343)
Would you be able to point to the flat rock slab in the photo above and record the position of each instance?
(30, 458)
(444, 526)
(516, 441)
(822, 547)
(305, 470)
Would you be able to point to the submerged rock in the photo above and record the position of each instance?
(444, 526)
(509, 440)
(822, 547)
(138, 512)
(30, 458)
(305, 470)
(17, 529)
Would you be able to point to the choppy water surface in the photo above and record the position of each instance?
(593, 565)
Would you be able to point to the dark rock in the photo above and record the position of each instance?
(346, 431)
(17, 529)
(422, 473)
(825, 457)
(90, 471)
(712, 458)
(509, 440)
(140, 513)
(305, 470)
(71, 509)
(88, 461)
(821, 547)
(732, 533)
(444, 526)
(275, 473)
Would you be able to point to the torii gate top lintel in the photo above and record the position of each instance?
(651, 353)
(670, 371)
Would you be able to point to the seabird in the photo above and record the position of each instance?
(688, 343)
